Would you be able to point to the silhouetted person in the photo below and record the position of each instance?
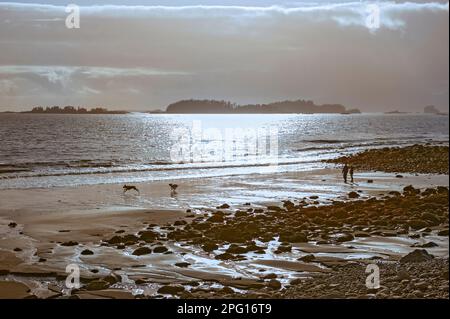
(352, 170)
(345, 172)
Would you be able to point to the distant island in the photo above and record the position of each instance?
(225, 107)
(396, 112)
(431, 109)
(72, 110)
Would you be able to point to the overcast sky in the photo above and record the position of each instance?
(149, 53)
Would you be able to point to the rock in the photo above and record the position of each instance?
(225, 256)
(362, 234)
(403, 275)
(240, 214)
(113, 278)
(160, 249)
(97, 285)
(399, 176)
(216, 219)
(313, 197)
(69, 243)
(209, 247)
(430, 244)
(87, 252)
(421, 285)
(293, 237)
(410, 190)
(307, 258)
(17, 249)
(443, 232)
(12, 225)
(115, 240)
(353, 195)
(148, 236)
(142, 251)
(418, 255)
(235, 249)
(130, 239)
(433, 219)
(274, 284)
(180, 222)
(223, 206)
(370, 181)
(344, 237)
(171, 290)
(233, 235)
(227, 290)
(270, 276)
(182, 265)
(296, 281)
(283, 249)
(417, 224)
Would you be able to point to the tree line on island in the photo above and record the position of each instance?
(72, 110)
(226, 107)
(194, 106)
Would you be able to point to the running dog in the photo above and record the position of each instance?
(173, 189)
(127, 188)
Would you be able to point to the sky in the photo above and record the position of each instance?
(145, 54)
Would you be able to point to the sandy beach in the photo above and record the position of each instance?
(101, 230)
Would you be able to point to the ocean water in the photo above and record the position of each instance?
(53, 150)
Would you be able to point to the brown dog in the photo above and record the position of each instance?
(127, 188)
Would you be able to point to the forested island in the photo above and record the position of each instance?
(226, 107)
(71, 110)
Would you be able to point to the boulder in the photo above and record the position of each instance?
(87, 252)
(160, 249)
(142, 251)
(171, 290)
(209, 247)
(307, 258)
(293, 237)
(97, 285)
(148, 236)
(353, 195)
(344, 237)
(418, 255)
(274, 284)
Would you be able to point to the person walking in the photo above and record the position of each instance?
(345, 172)
(352, 170)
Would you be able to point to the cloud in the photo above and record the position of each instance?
(149, 56)
(62, 74)
(344, 13)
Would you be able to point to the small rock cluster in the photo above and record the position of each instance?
(424, 159)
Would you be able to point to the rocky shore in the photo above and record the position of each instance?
(303, 234)
(425, 159)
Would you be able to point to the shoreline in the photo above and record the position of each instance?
(48, 219)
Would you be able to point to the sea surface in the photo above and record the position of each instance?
(55, 150)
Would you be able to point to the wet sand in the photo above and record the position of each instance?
(44, 230)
